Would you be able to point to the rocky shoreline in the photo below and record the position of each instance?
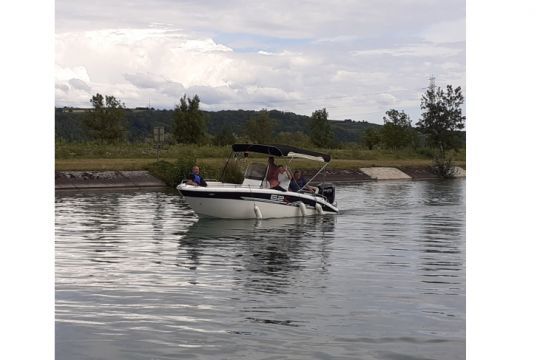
(76, 180)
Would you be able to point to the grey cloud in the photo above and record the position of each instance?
(231, 97)
(79, 85)
(62, 87)
(301, 19)
(214, 95)
(172, 89)
(149, 81)
(144, 81)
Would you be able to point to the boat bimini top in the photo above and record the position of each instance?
(281, 150)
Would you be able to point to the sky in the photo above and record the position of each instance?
(357, 59)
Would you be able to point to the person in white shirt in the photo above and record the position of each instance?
(284, 178)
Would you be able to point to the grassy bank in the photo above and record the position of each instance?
(147, 151)
(177, 159)
(142, 164)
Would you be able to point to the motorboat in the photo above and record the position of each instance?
(253, 198)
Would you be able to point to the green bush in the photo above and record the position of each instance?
(431, 153)
(426, 152)
(210, 170)
(233, 173)
(172, 174)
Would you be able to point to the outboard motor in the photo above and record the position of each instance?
(328, 191)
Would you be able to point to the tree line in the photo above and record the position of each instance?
(106, 122)
(439, 126)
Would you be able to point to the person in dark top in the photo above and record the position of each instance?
(298, 182)
(195, 178)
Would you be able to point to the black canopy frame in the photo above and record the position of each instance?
(281, 150)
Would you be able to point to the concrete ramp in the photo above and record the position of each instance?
(459, 172)
(385, 173)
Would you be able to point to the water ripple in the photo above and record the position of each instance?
(139, 276)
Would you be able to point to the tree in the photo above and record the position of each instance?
(440, 121)
(260, 128)
(396, 131)
(189, 124)
(321, 133)
(106, 121)
(225, 137)
(296, 138)
(442, 116)
(371, 138)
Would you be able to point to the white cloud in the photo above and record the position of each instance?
(131, 60)
(66, 73)
(205, 45)
(386, 99)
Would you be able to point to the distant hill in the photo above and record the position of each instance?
(141, 121)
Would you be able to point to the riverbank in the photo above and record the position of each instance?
(74, 180)
(132, 164)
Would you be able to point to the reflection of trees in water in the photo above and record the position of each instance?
(442, 237)
(193, 251)
(264, 254)
(160, 204)
(442, 261)
(106, 224)
(157, 219)
(102, 220)
(442, 192)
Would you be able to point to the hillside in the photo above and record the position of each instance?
(69, 127)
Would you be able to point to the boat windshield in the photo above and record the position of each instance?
(255, 171)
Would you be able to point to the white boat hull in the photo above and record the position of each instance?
(229, 201)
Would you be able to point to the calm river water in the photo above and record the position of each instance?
(138, 277)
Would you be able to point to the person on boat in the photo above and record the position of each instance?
(298, 182)
(272, 173)
(284, 178)
(195, 177)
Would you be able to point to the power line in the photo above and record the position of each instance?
(432, 83)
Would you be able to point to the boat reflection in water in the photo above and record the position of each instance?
(262, 254)
(250, 229)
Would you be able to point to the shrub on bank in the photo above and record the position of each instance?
(171, 174)
(233, 173)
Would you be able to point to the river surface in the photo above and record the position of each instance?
(139, 277)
